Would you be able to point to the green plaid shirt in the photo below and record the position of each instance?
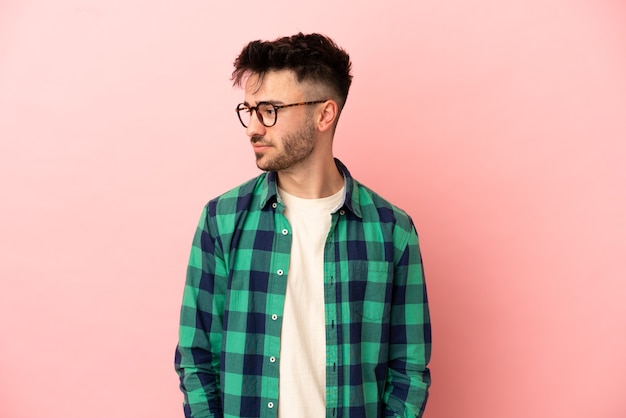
(377, 321)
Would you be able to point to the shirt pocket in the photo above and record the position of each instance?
(369, 290)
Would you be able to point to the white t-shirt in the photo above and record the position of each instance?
(302, 383)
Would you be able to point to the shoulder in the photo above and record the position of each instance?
(370, 206)
(375, 208)
(239, 198)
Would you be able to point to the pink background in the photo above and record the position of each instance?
(499, 126)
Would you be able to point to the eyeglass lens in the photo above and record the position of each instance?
(264, 111)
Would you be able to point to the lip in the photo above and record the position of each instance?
(260, 147)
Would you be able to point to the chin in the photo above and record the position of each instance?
(262, 165)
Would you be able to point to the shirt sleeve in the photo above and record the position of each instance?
(197, 359)
(408, 377)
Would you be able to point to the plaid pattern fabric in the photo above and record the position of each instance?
(378, 338)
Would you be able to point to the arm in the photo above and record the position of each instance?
(408, 377)
(197, 359)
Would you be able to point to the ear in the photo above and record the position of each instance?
(328, 116)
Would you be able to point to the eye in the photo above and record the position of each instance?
(267, 110)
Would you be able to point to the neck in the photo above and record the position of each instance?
(313, 181)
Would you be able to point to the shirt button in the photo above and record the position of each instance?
(270, 405)
(285, 232)
(272, 359)
(279, 272)
(274, 317)
(274, 205)
(342, 212)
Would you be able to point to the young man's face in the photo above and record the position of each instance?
(290, 142)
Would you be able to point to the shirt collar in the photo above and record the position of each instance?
(269, 194)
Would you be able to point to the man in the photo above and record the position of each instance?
(305, 295)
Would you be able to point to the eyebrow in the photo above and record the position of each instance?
(274, 102)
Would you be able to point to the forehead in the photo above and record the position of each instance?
(273, 85)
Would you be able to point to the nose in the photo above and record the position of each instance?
(255, 127)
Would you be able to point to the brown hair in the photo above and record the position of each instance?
(313, 58)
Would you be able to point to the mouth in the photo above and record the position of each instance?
(258, 146)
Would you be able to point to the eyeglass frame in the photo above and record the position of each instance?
(276, 108)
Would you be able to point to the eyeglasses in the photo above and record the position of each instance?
(266, 112)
